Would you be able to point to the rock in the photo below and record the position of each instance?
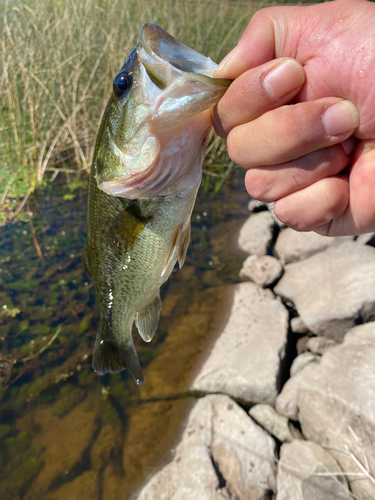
(301, 361)
(277, 425)
(332, 290)
(319, 345)
(361, 333)
(298, 479)
(301, 344)
(334, 400)
(264, 271)
(83, 487)
(256, 235)
(298, 326)
(292, 245)
(256, 206)
(108, 445)
(223, 454)
(245, 360)
(366, 239)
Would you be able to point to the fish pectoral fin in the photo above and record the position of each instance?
(110, 358)
(127, 227)
(172, 250)
(86, 261)
(147, 319)
(184, 243)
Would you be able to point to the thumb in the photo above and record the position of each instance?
(255, 47)
(285, 31)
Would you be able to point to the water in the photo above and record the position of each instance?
(65, 432)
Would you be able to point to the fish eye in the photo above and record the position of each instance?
(122, 83)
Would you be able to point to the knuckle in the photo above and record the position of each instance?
(263, 15)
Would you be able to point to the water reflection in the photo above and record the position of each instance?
(64, 430)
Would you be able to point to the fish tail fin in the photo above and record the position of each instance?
(112, 358)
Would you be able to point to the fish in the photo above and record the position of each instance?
(144, 178)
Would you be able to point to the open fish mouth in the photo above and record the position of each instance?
(170, 85)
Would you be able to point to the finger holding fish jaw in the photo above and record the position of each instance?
(295, 153)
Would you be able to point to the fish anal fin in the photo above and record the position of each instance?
(127, 227)
(147, 319)
(86, 261)
(184, 243)
(110, 358)
(172, 250)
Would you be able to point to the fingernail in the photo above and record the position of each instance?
(283, 79)
(349, 145)
(340, 118)
(225, 60)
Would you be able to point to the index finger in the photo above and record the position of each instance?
(257, 91)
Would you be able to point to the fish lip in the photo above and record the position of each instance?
(159, 43)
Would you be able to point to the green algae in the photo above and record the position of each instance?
(68, 401)
(16, 445)
(66, 388)
(146, 356)
(4, 430)
(85, 323)
(108, 414)
(40, 329)
(84, 373)
(18, 477)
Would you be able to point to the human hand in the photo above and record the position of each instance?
(298, 130)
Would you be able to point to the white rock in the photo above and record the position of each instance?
(298, 479)
(292, 245)
(263, 270)
(298, 326)
(362, 333)
(245, 360)
(365, 239)
(333, 289)
(301, 361)
(319, 345)
(255, 205)
(334, 400)
(277, 425)
(223, 454)
(255, 236)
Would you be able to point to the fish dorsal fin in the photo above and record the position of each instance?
(147, 319)
(172, 250)
(184, 243)
(111, 358)
(127, 227)
(86, 261)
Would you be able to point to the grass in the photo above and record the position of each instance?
(58, 59)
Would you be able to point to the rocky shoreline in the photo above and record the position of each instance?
(298, 352)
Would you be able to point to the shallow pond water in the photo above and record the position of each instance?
(66, 432)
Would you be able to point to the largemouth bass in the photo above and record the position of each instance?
(144, 179)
